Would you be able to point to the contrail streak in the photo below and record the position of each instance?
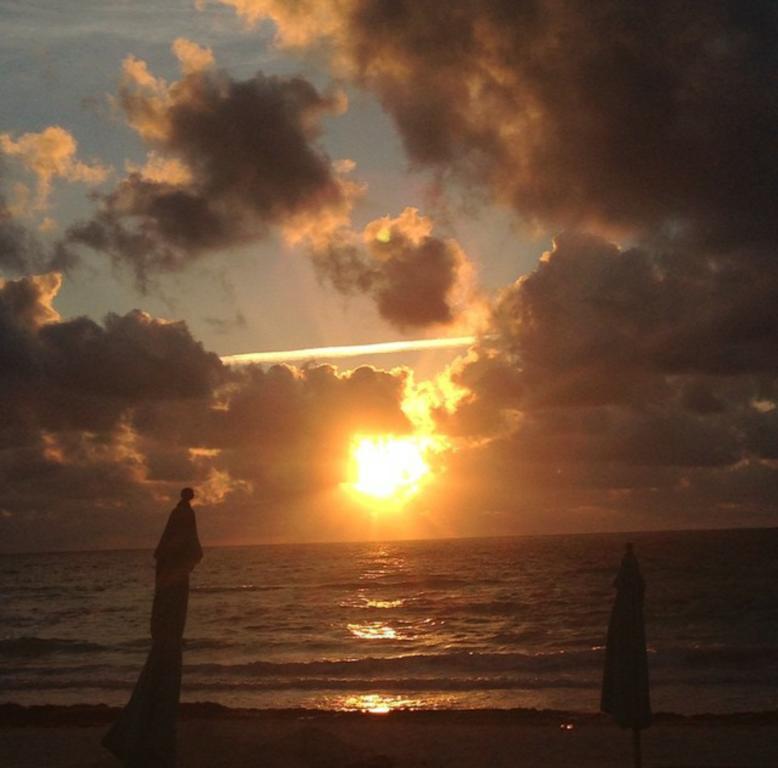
(350, 350)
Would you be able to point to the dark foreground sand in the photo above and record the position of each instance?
(210, 736)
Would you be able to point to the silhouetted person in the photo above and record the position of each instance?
(625, 693)
(145, 733)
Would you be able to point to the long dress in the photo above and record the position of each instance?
(625, 688)
(145, 733)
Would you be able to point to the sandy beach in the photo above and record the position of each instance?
(211, 736)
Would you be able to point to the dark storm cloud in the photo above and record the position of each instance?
(230, 158)
(26, 303)
(279, 403)
(129, 359)
(629, 383)
(23, 253)
(111, 419)
(600, 496)
(654, 121)
(597, 325)
(617, 114)
(595, 322)
(67, 390)
(415, 278)
(20, 250)
(655, 437)
(616, 387)
(284, 430)
(632, 379)
(78, 374)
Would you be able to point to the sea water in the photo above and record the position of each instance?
(476, 623)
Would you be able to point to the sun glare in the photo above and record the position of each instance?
(386, 471)
(388, 468)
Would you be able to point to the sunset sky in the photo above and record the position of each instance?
(587, 190)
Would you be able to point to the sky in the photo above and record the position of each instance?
(581, 195)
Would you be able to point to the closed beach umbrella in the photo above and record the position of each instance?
(625, 692)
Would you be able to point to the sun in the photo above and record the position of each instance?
(388, 468)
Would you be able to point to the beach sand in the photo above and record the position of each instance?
(212, 736)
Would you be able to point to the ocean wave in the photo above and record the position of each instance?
(721, 657)
(445, 605)
(433, 664)
(142, 644)
(468, 662)
(216, 590)
(81, 671)
(316, 684)
(18, 647)
(395, 684)
(400, 582)
(195, 679)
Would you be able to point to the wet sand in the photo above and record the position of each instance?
(211, 737)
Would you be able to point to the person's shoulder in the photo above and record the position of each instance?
(181, 509)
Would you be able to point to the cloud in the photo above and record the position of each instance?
(161, 170)
(616, 386)
(614, 117)
(415, 278)
(228, 159)
(28, 303)
(627, 383)
(193, 57)
(111, 419)
(298, 24)
(68, 389)
(78, 374)
(49, 155)
(20, 250)
(597, 325)
(594, 315)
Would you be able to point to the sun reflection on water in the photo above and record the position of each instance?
(373, 630)
(362, 601)
(376, 703)
(380, 571)
(384, 603)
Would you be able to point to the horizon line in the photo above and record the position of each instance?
(481, 537)
(347, 350)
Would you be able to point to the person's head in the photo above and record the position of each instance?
(187, 494)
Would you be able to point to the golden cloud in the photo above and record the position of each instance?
(49, 155)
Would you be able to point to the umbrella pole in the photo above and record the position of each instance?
(636, 748)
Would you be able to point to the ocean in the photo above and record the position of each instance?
(476, 623)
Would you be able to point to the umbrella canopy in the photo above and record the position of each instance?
(625, 680)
